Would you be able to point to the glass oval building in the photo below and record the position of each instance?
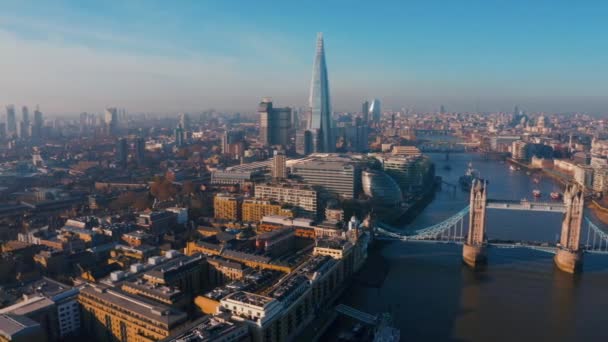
(381, 188)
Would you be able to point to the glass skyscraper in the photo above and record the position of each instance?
(319, 122)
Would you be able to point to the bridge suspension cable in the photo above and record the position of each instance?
(451, 229)
(597, 239)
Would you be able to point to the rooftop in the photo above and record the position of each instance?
(250, 299)
(146, 308)
(11, 325)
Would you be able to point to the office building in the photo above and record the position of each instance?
(279, 169)
(337, 174)
(320, 116)
(275, 124)
(305, 143)
(38, 124)
(122, 152)
(140, 151)
(184, 121)
(381, 188)
(11, 120)
(111, 121)
(411, 173)
(179, 136)
(374, 111)
(25, 114)
(365, 112)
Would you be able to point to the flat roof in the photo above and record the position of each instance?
(151, 310)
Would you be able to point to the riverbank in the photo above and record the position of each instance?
(599, 210)
(418, 205)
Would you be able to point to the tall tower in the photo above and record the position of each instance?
(374, 110)
(11, 120)
(569, 257)
(365, 111)
(279, 169)
(275, 123)
(473, 251)
(320, 121)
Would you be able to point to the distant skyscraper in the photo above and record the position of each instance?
(279, 169)
(122, 152)
(179, 136)
(365, 111)
(320, 121)
(184, 121)
(374, 110)
(275, 123)
(25, 112)
(111, 120)
(11, 121)
(38, 123)
(442, 109)
(140, 151)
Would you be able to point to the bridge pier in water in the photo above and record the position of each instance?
(569, 256)
(474, 249)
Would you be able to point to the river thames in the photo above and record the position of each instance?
(520, 296)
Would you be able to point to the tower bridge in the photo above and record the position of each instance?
(568, 250)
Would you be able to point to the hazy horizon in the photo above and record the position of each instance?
(71, 57)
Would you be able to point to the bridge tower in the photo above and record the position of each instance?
(473, 250)
(569, 256)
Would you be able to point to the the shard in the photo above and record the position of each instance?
(319, 122)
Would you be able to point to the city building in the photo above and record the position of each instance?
(365, 112)
(255, 209)
(122, 152)
(337, 174)
(233, 144)
(374, 111)
(411, 173)
(11, 120)
(140, 151)
(279, 169)
(235, 177)
(320, 117)
(113, 315)
(15, 328)
(227, 207)
(275, 123)
(216, 328)
(303, 198)
(111, 121)
(38, 123)
(381, 188)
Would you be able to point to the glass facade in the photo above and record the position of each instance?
(319, 102)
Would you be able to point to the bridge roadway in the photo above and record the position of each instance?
(555, 207)
(357, 314)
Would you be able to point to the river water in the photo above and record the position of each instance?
(520, 296)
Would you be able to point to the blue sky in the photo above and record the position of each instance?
(72, 56)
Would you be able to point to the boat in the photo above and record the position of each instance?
(556, 195)
(447, 167)
(466, 180)
(512, 168)
(536, 180)
(536, 193)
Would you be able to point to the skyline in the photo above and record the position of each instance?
(70, 58)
